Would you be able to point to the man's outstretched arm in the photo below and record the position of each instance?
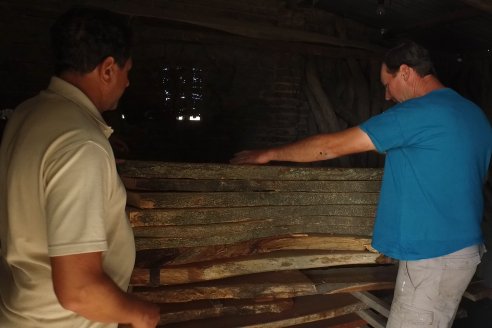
(311, 149)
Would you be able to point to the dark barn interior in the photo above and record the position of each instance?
(213, 77)
(260, 73)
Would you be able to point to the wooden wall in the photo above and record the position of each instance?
(272, 72)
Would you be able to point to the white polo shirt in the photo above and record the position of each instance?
(60, 194)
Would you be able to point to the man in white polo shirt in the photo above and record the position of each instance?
(66, 244)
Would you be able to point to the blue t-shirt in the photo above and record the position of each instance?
(438, 149)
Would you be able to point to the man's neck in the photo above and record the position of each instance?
(84, 82)
(426, 85)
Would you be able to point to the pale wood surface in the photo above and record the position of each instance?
(274, 261)
(306, 309)
(268, 285)
(279, 284)
(211, 309)
(171, 228)
(186, 255)
(351, 320)
(352, 279)
(372, 318)
(376, 304)
(227, 246)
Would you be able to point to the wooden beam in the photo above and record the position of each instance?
(154, 169)
(171, 184)
(343, 215)
(373, 302)
(352, 279)
(150, 200)
(483, 5)
(329, 309)
(278, 284)
(306, 309)
(230, 233)
(170, 34)
(171, 313)
(230, 25)
(350, 320)
(273, 261)
(192, 227)
(320, 122)
(267, 285)
(186, 255)
(372, 318)
(327, 112)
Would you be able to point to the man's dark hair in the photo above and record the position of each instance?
(83, 37)
(411, 54)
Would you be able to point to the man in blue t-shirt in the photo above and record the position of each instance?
(438, 147)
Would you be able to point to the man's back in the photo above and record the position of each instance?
(438, 148)
(50, 159)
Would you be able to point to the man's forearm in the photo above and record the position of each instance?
(84, 288)
(103, 301)
(311, 149)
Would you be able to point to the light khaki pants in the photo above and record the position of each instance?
(428, 292)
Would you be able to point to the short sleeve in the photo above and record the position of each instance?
(384, 130)
(76, 192)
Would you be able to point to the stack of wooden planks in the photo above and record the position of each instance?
(254, 246)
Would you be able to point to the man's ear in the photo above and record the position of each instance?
(107, 69)
(405, 71)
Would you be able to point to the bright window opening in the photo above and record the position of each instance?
(183, 91)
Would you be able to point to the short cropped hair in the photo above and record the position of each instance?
(411, 54)
(84, 37)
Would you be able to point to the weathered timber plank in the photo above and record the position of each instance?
(315, 241)
(152, 169)
(155, 230)
(352, 279)
(306, 309)
(184, 255)
(216, 308)
(141, 277)
(148, 200)
(378, 305)
(330, 214)
(272, 285)
(267, 285)
(230, 233)
(373, 318)
(345, 321)
(274, 261)
(161, 184)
